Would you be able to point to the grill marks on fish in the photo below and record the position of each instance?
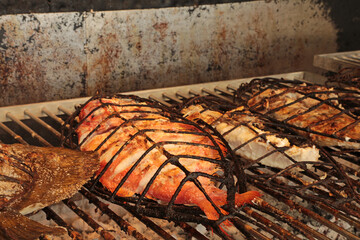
(145, 150)
(35, 177)
(314, 111)
(246, 135)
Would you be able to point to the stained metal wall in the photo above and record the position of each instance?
(51, 56)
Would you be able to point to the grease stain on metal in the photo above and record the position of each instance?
(77, 54)
(161, 28)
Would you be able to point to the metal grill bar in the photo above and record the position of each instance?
(53, 116)
(92, 223)
(125, 226)
(29, 130)
(12, 133)
(152, 97)
(213, 93)
(268, 225)
(156, 228)
(192, 231)
(339, 215)
(306, 211)
(180, 95)
(170, 97)
(224, 91)
(252, 233)
(131, 230)
(65, 110)
(58, 220)
(43, 124)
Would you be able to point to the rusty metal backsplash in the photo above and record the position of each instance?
(65, 55)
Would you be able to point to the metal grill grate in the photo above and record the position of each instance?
(279, 215)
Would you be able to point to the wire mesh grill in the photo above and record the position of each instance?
(161, 144)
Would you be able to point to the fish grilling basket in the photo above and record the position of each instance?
(326, 118)
(150, 154)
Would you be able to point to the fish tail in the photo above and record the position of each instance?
(246, 197)
(240, 199)
(219, 199)
(14, 225)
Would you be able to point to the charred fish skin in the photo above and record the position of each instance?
(245, 133)
(315, 111)
(32, 178)
(146, 151)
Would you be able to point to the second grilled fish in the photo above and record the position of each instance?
(246, 135)
(315, 111)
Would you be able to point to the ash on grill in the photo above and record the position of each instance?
(318, 202)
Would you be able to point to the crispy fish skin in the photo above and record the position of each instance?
(39, 176)
(293, 106)
(239, 127)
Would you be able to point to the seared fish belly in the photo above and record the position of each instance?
(32, 178)
(144, 151)
(246, 136)
(313, 108)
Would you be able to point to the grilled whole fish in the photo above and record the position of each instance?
(246, 135)
(146, 152)
(32, 178)
(315, 112)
